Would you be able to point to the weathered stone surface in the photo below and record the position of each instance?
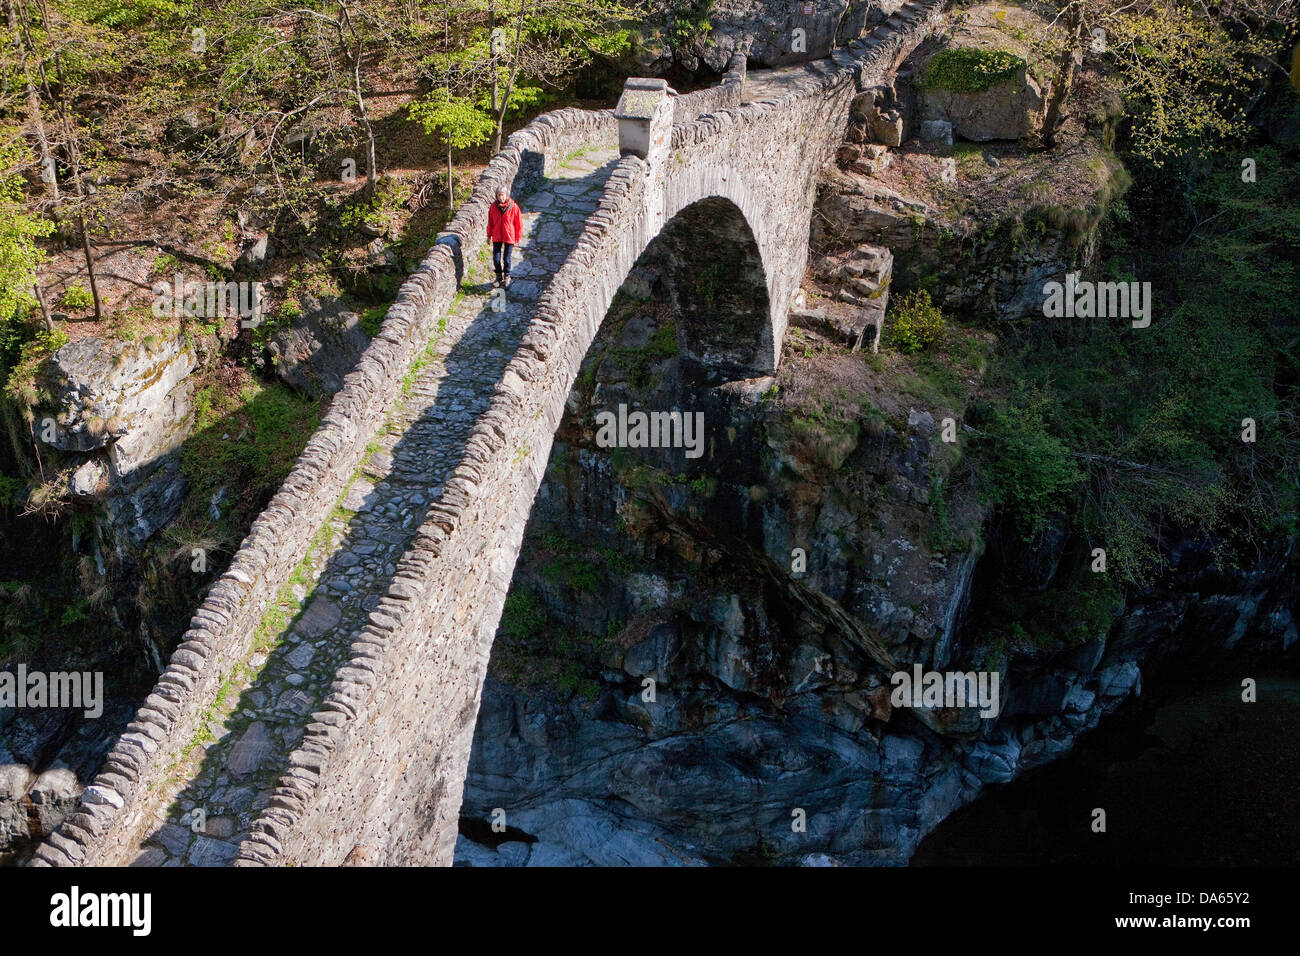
(172, 838)
(206, 851)
(766, 30)
(251, 751)
(14, 781)
(322, 614)
(320, 348)
(1008, 109)
(54, 794)
(131, 399)
(151, 504)
(938, 131)
(150, 857)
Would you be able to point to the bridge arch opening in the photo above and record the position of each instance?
(706, 266)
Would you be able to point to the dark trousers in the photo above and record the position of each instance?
(501, 257)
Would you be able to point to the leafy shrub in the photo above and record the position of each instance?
(917, 324)
(77, 298)
(166, 264)
(690, 21)
(10, 489)
(970, 69)
(1031, 472)
(522, 617)
(372, 319)
(21, 383)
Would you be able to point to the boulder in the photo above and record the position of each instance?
(14, 781)
(54, 795)
(981, 82)
(257, 249)
(937, 131)
(133, 400)
(151, 504)
(320, 348)
(1007, 110)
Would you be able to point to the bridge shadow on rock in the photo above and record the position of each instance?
(229, 771)
(713, 276)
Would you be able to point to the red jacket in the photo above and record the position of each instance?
(505, 226)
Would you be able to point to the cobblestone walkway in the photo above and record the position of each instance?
(227, 775)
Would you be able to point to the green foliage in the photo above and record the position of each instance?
(572, 571)
(971, 69)
(245, 440)
(1029, 471)
(32, 352)
(1077, 607)
(689, 20)
(523, 616)
(456, 120)
(823, 429)
(166, 264)
(375, 208)
(10, 489)
(76, 298)
(73, 614)
(19, 231)
(1188, 81)
(533, 651)
(917, 323)
(372, 319)
(640, 362)
(1153, 416)
(522, 99)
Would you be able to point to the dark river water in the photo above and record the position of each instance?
(1188, 775)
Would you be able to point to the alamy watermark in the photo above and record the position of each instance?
(944, 689)
(76, 909)
(79, 690)
(1084, 299)
(208, 300)
(651, 430)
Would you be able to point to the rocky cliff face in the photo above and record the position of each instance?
(672, 685)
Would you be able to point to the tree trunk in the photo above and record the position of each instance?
(45, 312)
(34, 113)
(514, 72)
(492, 48)
(1064, 79)
(451, 184)
(74, 159)
(371, 172)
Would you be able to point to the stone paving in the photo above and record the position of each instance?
(212, 794)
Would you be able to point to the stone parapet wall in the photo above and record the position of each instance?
(727, 93)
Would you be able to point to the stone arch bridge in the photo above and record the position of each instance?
(321, 706)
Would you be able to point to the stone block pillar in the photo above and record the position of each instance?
(645, 129)
(645, 119)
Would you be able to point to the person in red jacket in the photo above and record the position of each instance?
(504, 227)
